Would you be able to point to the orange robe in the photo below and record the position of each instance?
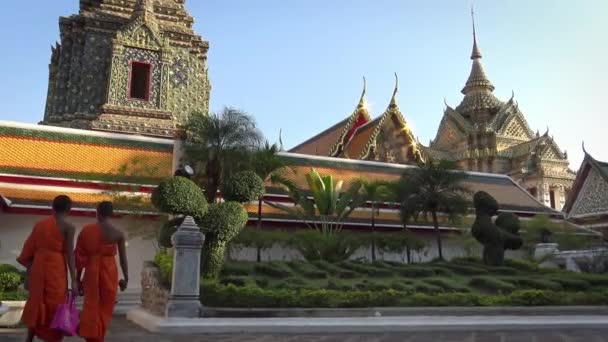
(100, 283)
(44, 252)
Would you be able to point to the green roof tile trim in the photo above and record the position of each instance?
(81, 176)
(84, 139)
(301, 160)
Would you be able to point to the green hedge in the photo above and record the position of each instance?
(217, 295)
(492, 284)
(18, 295)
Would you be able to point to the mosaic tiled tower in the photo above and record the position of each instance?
(130, 66)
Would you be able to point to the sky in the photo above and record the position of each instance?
(297, 65)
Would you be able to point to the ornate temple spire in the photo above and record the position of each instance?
(144, 9)
(477, 80)
(362, 102)
(394, 98)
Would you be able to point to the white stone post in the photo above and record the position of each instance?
(184, 300)
(543, 250)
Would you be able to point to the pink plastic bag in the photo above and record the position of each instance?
(66, 318)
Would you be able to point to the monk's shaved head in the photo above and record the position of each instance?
(62, 204)
(105, 209)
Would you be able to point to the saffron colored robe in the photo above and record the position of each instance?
(100, 283)
(44, 252)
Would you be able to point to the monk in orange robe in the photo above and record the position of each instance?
(95, 255)
(46, 254)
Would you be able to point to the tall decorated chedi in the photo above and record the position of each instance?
(129, 66)
(486, 134)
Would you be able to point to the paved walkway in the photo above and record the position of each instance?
(123, 331)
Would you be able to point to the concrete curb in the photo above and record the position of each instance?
(209, 312)
(352, 325)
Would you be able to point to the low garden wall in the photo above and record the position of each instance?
(154, 291)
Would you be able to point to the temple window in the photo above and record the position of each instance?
(139, 81)
(552, 198)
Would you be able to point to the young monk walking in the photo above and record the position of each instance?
(45, 254)
(95, 255)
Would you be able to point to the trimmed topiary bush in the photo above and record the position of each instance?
(243, 187)
(180, 196)
(492, 284)
(494, 236)
(221, 224)
(10, 281)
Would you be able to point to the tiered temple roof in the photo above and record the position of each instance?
(385, 138)
(38, 163)
(588, 201)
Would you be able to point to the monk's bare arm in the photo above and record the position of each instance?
(70, 231)
(122, 255)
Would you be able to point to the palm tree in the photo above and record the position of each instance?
(374, 192)
(267, 164)
(403, 193)
(437, 187)
(220, 144)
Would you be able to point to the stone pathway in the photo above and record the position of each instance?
(123, 331)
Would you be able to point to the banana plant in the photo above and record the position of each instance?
(325, 205)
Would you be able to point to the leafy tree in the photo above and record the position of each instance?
(373, 191)
(268, 166)
(437, 187)
(220, 144)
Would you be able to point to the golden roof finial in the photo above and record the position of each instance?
(475, 54)
(362, 99)
(394, 98)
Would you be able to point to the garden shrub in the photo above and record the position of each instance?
(594, 279)
(402, 287)
(427, 288)
(164, 262)
(504, 270)
(447, 285)
(347, 274)
(315, 274)
(262, 282)
(167, 230)
(326, 266)
(252, 296)
(491, 284)
(274, 270)
(416, 272)
(355, 267)
(532, 298)
(314, 245)
(222, 222)
(572, 284)
(538, 284)
(441, 271)
(236, 281)
(180, 196)
(307, 269)
(10, 281)
(521, 265)
(464, 269)
(17, 295)
(6, 268)
(495, 236)
(237, 269)
(243, 187)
